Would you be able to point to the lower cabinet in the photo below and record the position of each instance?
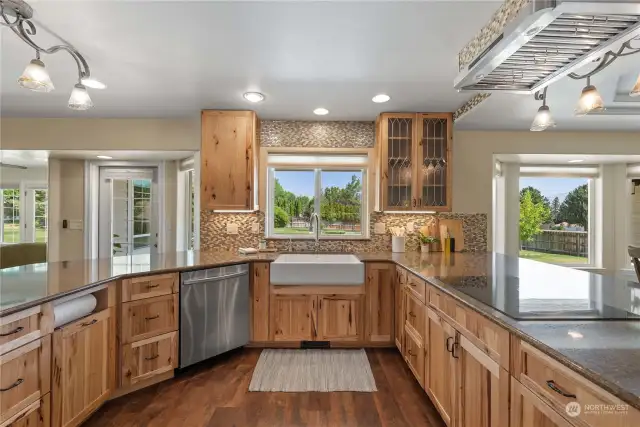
(293, 317)
(380, 279)
(147, 358)
(440, 379)
(38, 414)
(340, 318)
(414, 353)
(83, 368)
(528, 410)
(399, 293)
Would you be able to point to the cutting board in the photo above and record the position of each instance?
(455, 230)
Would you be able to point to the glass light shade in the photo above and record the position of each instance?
(543, 119)
(79, 99)
(93, 83)
(590, 100)
(36, 77)
(636, 89)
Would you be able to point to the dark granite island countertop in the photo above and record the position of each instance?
(604, 351)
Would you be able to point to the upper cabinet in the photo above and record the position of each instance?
(228, 149)
(415, 161)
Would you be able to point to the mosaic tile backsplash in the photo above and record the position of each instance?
(214, 237)
(328, 134)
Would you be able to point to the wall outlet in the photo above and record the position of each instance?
(232, 228)
(410, 227)
(255, 228)
(379, 228)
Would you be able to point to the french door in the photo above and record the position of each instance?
(128, 211)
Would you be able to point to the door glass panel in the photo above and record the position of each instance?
(399, 143)
(433, 168)
(10, 215)
(119, 216)
(40, 215)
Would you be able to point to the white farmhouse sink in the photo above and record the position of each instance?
(317, 269)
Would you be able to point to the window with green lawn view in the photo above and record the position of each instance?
(10, 215)
(554, 219)
(296, 194)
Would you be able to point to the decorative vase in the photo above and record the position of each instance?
(425, 248)
(397, 243)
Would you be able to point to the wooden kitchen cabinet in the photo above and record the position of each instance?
(340, 318)
(147, 358)
(380, 293)
(399, 293)
(293, 317)
(38, 414)
(440, 379)
(83, 365)
(228, 151)
(528, 410)
(259, 290)
(415, 161)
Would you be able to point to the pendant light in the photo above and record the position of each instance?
(636, 89)
(590, 100)
(35, 77)
(543, 119)
(80, 99)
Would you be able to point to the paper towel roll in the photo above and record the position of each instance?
(73, 310)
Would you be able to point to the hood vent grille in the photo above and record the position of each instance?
(553, 52)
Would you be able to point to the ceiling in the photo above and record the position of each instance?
(564, 159)
(174, 58)
(34, 158)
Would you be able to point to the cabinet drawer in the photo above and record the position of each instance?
(24, 376)
(146, 318)
(414, 316)
(557, 385)
(149, 286)
(414, 354)
(417, 287)
(436, 298)
(25, 326)
(144, 359)
(38, 414)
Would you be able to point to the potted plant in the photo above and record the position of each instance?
(426, 241)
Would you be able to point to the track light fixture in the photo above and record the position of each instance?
(16, 15)
(543, 119)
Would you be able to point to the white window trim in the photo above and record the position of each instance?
(27, 209)
(592, 173)
(364, 218)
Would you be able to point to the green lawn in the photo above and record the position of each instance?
(553, 258)
(290, 230)
(11, 234)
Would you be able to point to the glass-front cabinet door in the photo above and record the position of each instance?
(397, 137)
(433, 162)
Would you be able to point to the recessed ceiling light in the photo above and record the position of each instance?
(104, 157)
(321, 111)
(381, 98)
(576, 161)
(253, 96)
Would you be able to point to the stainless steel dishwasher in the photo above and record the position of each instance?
(214, 312)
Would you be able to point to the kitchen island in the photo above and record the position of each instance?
(586, 323)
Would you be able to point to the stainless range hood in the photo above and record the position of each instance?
(548, 40)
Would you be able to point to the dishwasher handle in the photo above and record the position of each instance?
(215, 279)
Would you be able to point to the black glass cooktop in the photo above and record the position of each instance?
(565, 295)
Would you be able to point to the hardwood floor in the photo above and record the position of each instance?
(214, 394)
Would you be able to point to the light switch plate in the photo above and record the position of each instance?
(410, 227)
(75, 224)
(232, 228)
(379, 228)
(255, 228)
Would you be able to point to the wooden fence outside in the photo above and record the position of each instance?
(560, 242)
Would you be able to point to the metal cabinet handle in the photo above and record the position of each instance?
(410, 353)
(552, 385)
(15, 331)
(16, 384)
(153, 286)
(152, 357)
(414, 202)
(450, 350)
(152, 317)
(412, 314)
(90, 323)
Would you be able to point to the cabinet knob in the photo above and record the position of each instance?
(414, 202)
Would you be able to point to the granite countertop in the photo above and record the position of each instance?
(501, 288)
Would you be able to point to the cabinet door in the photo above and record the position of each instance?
(483, 387)
(227, 152)
(433, 161)
(401, 279)
(148, 358)
(441, 375)
(38, 414)
(293, 317)
(379, 294)
(528, 410)
(82, 368)
(340, 318)
(414, 354)
(397, 141)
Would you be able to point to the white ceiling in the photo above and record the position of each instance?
(31, 158)
(564, 159)
(174, 58)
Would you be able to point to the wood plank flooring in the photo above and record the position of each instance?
(215, 394)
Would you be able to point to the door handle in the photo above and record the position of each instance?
(414, 202)
(152, 357)
(552, 385)
(15, 331)
(152, 317)
(14, 385)
(153, 286)
(412, 314)
(90, 323)
(450, 350)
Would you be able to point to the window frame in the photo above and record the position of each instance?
(561, 171)
(21, 208)
(317, 169)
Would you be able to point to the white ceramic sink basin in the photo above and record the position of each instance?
(317, 269)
